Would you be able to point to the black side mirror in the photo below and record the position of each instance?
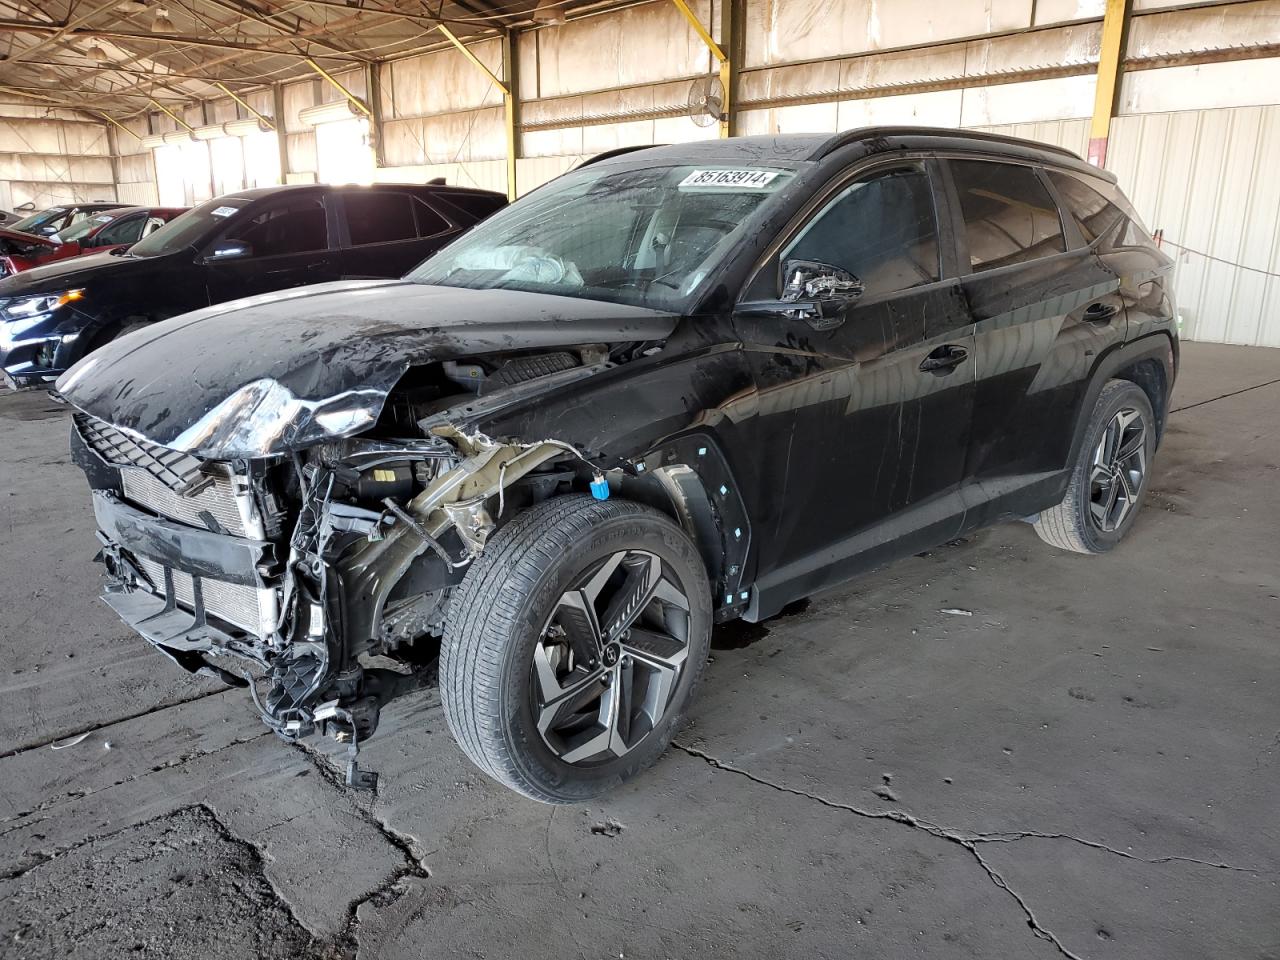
(815, 281)
(228, 249)
(817, 293)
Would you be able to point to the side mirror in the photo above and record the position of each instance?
(228, 250)
(817, 293)
(812, 280)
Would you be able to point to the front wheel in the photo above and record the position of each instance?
(573, 646)
(1109, 479)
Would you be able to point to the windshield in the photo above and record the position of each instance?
(38, 220)
(85, 227)
(646, 236)
(188, 229)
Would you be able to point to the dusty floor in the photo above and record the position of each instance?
(1087, 766)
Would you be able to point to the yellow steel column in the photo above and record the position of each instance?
(508, 95)
(1115, 23)
(726, 71)
(333, 81)
(176, 119)
(232, 94)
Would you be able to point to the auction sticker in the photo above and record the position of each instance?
(731, 179)
(223, 211)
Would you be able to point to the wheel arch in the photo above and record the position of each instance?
(1149, 362)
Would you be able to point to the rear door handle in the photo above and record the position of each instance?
(1100, 312)
(944, 359)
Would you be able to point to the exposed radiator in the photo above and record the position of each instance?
(237, 604)
(217, 499)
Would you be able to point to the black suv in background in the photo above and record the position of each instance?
(670, 388)
(253, 242)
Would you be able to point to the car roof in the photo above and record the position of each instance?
(256, 193)
(817, 147)
(119, 212)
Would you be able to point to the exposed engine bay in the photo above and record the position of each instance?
(287, 573)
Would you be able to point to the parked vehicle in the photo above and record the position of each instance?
(8, 218)
(22, 251)
(48, 222)
(103, 232)
(255, 242)
(672, 388)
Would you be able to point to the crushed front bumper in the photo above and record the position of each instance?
(131, 537)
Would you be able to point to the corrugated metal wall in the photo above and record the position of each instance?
(48, 158)
(1210, 179)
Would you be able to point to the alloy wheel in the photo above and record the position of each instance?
(609, 658)
(1117, 470)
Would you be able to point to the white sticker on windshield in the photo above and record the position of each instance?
(730, 179)
(102, 219)
(223, 211)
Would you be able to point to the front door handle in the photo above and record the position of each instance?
(1100, 312)
(944, 359)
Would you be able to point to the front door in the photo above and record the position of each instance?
(286, 245)
(864, 423)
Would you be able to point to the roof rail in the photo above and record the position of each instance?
(863, 133)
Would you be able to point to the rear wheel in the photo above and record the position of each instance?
(573, 646)
(1109, 480)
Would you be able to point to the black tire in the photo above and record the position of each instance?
(501, 611)
(1074, 523)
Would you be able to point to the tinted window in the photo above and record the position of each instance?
(429, 222)
(1100, 216)
(379, 217)
(1009, 216)
(296, 225)
(881, 229)
(122, 231)
(472, 206)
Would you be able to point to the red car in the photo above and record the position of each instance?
(100, 233)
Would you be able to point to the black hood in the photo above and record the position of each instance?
(65, 274)
(265, 375)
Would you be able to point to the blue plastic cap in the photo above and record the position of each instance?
(600, 488)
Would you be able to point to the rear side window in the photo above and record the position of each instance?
(379, 217)
(1008, 214)
(1097, 216)
(470, 208)
(430, 222)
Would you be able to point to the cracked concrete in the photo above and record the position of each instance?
(1085, 767)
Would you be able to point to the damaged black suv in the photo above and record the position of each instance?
(671, 388)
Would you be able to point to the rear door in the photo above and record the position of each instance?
(1045, 307)
(288, 246)
(388, 233)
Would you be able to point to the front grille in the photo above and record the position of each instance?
(174, 469)
(216, 500)
(236, 604)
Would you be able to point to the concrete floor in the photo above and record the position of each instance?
(1085, 767)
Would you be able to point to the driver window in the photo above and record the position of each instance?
(295, 226)
(881, 229)
(122, 231)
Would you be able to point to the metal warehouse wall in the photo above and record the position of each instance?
(48, 156)
(1193, 142)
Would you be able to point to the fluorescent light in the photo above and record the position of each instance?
(162, 23)
(549, 12)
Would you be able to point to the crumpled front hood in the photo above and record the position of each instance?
(265, 375)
